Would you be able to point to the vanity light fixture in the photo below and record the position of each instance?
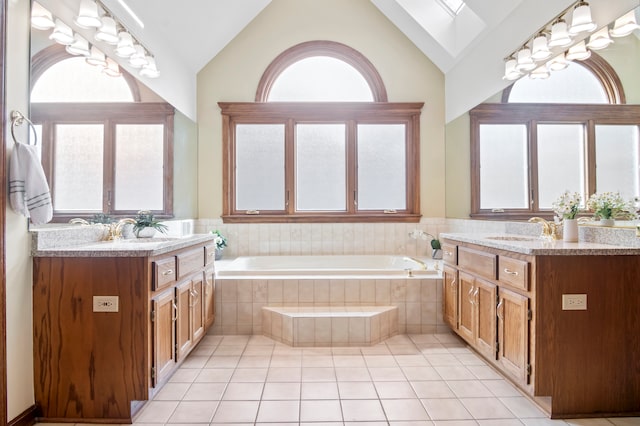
(150, 69)
(41, 18)
(139, 58)
(558, 63)
(540, 48)
(581, 19)
(600, 39)
(96, 57)
(62, 33)
(524, 62)
(108, 31)
(560, 36)
(88, 16)
(625, 25)
(125, 48)
(80, 46)
(540, 73)
(510, 71)
(578, 52)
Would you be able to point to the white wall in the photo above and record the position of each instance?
(19, 301)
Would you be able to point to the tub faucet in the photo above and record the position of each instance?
(549, 229)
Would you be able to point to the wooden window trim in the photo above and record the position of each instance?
(321, 48)
(589, 115)
(108, 114)
(289, 113)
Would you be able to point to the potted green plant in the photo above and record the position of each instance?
(608, 206)
(220, 241)
(146, 225)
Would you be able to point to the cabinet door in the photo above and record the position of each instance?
(466, 288)
(183, 324)
(209, 297)
(513, 334)
(450, 296)
(164, 336)
(197, 307)
(484, 299)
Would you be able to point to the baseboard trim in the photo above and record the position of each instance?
(26, 418)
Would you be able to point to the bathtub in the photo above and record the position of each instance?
(330, 265)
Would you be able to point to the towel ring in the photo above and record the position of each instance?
(18, 119)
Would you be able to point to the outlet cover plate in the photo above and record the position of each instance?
(574, 302)
(105, 303)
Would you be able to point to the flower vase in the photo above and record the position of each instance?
(570, 230)
(607, 222)
(147, 232)
(218, 254)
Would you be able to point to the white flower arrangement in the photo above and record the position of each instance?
(611, 205)
(220, 240)
(567, 205)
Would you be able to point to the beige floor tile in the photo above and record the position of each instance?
(294, 360)
(214, 375)
(522, 407)
(254, 361)
(205, 392)
(501, 388)
(348, 361)
(414, 373)
(380, 349)
(391, 390)
(469, 359)
(380, 361)
(543, 422)
(486, 408)
(588, 422)
(443, 359)
(249, 375)
(446, 409)
(484, 372)
(319, 390)
(403, 349)
(352, 374)
(404, 409)
(228, 350)
(412, 361)
(362, 410)
(318, 374)
(454, 372)
(184, 375)
(235, 340)
(500, 422)
(455, 423)
(468, 388)
(432, 389)
(279, 411)
(236, 412)
(193, 412)
(625, 421)
(388, 374)
(243, 392)
(284, 374)
(321, 411)
(281, 391)
(157, 411)
(195, 362)
(317, 361)
(172, 392)
(219, 361)
(357, 390)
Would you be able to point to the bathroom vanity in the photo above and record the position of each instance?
(113, 320)
(560, 320)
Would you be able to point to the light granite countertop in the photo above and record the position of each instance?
(135, 247)
(531, 245)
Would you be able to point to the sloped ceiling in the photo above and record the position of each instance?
(469, 48)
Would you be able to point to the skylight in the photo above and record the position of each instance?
(452, 6)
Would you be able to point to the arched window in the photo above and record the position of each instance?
(321, 143)
(569, 132)
(103, 150)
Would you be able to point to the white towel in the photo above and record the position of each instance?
(28, 188)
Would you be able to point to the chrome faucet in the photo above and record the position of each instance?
(549, 229)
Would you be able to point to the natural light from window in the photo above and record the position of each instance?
(320, 79)
(73, 80)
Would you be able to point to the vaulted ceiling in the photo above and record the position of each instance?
(468, 48)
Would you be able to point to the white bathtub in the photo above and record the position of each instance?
(329, 265)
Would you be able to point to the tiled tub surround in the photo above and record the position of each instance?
(330, 326)
(239, 302)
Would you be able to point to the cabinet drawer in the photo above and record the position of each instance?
(481, 263)
(209, 254)
(450, 253)
(190, 261)
(164, 272)
(514, 272)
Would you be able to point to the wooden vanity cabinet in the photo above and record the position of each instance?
(450, 296)
(572, 363)
(99, 367)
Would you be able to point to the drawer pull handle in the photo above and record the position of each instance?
(470, 296)
(175, 312)
(510, 272)
(167, 272)
(500, 309)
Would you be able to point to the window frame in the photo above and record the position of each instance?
(350, 113)
(50, 114)
(541, 113)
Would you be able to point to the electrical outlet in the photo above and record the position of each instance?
(105, 303)
(574, 302)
